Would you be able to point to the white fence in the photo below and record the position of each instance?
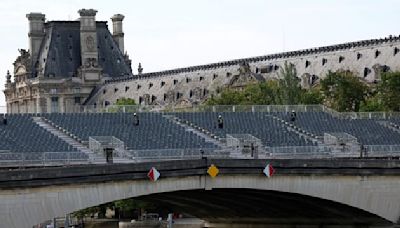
(205, 108)
(176, 154)
(98, 143)
(13, 159)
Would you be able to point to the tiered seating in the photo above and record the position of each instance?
(21, 134)
(260, 125)
(154, 131)
(368, 131)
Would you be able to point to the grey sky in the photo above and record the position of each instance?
(167, 34)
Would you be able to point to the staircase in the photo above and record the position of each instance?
(392, 126)
(201, 132)
(299, 131)
(67, 138)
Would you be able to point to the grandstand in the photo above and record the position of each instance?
(65, 136)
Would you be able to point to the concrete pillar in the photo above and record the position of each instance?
(118, 33)
(36, 33)
(61, 104)
(48, 105)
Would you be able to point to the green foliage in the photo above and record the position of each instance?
(266, 93)
(343, 91)
(125, 205)
(389, 90)
(126, 101)
(131, 204)
(87, 212)
(290, 89)
(372, 104)
(312, 96)
(227, 97)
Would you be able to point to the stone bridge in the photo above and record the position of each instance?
(315, 193)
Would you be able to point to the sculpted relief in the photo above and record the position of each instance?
(90, 43)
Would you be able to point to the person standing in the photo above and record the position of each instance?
(135, 119)
(220, 122)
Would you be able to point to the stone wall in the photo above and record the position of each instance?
(368, 59)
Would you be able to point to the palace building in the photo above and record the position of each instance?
(74, 65)
(65, 62)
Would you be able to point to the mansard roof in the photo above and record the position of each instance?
(60, 51)
(277, 56)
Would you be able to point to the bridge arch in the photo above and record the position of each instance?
(374, 194)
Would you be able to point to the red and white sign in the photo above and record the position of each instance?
(153, 174)
(269, 170)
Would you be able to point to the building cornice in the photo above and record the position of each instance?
(277, 56)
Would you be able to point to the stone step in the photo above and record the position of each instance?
(199, 132)
(66, 138)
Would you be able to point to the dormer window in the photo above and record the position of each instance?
(324, 61)
(377, 53)
(395, 51)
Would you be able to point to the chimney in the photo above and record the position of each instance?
(36, 33)
(118, 33)
(89, 51)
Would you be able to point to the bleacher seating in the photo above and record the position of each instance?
(21, 134)
(258, 124)
(157, 132)
(367, 131)
(153, 132)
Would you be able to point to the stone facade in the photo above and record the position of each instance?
(192, 85)
(105, 75)
(66, 61)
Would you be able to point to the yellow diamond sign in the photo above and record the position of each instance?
(213, 171)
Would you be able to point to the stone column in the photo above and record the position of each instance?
(118, 33)
(90, 69)
(61, 104)
(88, 35)
(36, 33)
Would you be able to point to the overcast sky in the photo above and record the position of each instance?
(167, 34)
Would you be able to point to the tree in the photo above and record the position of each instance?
(389, 90)
(372, 104)
(290, 89)
(343, 91)
(312, 96)
(126, 101)
(266, 93)
(228, 97)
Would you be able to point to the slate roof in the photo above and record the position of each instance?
(60, 52)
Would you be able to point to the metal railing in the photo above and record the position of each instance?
(10, 159)
(204, 108)
(98, 143)
(176, 154)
